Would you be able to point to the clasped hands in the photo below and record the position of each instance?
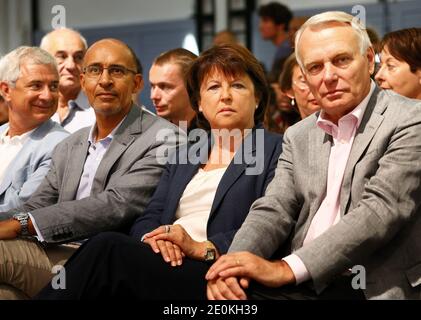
(230, 275)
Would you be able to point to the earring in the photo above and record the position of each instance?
(257, 106)
(293, 102)
(200, 109)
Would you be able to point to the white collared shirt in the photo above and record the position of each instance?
(9, 148)
(80, 115)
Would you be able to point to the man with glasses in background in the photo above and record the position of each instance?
(101, 178)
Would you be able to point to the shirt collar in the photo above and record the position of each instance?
(92, 132)
(80, 102)
(356, 114)
(4, 138)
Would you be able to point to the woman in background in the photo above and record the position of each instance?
(400, 57)
(293, 84)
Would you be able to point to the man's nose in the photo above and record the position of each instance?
(105, 79)
(330, 73)
(155, 94)
(70, 62)
(46, 93)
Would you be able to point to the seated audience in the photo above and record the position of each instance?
(294, 85)
(29, 84)
(400, 56)
(101, 177)
(198, 206)
(342, 217)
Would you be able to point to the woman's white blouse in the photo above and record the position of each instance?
(196, 202)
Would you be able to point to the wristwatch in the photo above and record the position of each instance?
(23, 218)
(210, 253)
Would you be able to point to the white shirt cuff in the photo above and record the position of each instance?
(298, 268)
(39, 235)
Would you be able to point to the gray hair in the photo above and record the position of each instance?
(11, 62)
(46, 38)
(334, 16)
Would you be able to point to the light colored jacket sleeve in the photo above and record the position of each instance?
(25, 180)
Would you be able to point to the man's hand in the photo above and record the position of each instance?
(246, 266)
(9, 229)
(227, 289)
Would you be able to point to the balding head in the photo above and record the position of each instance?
(110, 77)
(68, 48)
(68, 35)
(124, 50)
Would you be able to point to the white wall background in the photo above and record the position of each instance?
(15, 15)
(94, 13)
(15, 24)
(304, 4)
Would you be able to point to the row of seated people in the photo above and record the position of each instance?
(198, 207)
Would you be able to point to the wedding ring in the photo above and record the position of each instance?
(167, 229)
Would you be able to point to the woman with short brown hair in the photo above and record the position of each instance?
(400, 68)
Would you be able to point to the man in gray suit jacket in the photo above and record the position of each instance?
(343, 210)
(29, 83)
(101, 178)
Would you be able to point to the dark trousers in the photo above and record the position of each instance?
(113, 265)
(339, 289)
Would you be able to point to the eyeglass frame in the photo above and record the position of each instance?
(126, 70)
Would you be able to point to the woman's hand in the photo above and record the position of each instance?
(170, 252)
(180, 239)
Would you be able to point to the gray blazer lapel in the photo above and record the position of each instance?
(318, 159)
(370, 123)
(74, 169)
(123, 138)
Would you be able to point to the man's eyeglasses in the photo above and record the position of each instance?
(301, 83)
(115, 71)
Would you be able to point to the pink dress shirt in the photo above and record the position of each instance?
(328, 213)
